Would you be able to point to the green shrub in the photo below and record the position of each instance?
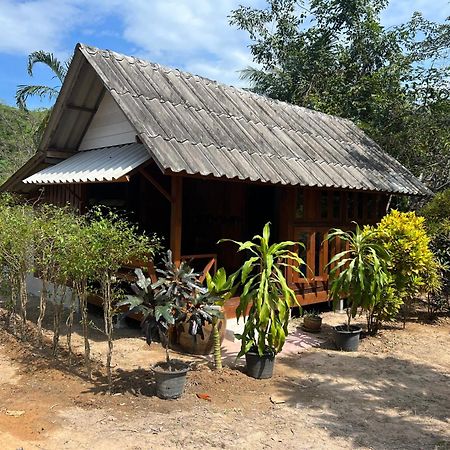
(413, 267)
(437, 219)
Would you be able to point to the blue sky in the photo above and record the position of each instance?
(193, 35)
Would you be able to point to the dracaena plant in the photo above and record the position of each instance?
(177, 296)
(221, 288)
(359, 274)
(266, 290)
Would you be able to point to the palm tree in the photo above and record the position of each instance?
(59, 70)
(25, 91)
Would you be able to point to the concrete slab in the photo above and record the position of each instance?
(296, 342)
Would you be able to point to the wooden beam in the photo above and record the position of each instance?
(176, 217)
(59, 154)
(158, 186)
(80, 108)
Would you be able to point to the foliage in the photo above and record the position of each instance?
(17, 145)
(176, 297)
(437, 220)
(66, 249)
(52, 229)
(337, 58)
(359, 274)
(16, 243)
(312, 313)
(222, 288)
(266, 291)
(25, 91)
(412, 262)
(437, 214)
(114, 242)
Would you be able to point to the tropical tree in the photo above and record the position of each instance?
(59, 69)
(25, 91)
(336, 57)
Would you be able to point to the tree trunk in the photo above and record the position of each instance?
(23, 298)
(217, 346)
(58, 311)
(70, 324)
(42, 308)
(81, 288)
(107, 315)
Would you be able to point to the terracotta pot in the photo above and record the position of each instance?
(181, 340)
(312, 323)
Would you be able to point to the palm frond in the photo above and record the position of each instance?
(256, 77)
(47, 58)
(25, 91)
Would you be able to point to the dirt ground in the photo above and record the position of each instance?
(392, 394)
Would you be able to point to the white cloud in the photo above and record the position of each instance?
(189, 34)
(34, 25)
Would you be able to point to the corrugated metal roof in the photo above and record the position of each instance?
(195, 125)
(104, 164)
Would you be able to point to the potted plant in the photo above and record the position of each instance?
(312, 321)
(359, 275)
(267, 297)
(221, 288)
(175, 298)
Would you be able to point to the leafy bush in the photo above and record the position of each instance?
(66, 249)
(437, 214)
(412, 265)
(437, 217)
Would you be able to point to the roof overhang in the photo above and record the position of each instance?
(109, 164)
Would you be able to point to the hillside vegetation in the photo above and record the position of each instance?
(17, 143)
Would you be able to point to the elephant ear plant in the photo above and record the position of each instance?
(265, 290)
(176, 297)
(360, 275)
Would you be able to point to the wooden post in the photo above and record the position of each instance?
(286, 218)
(176, 217)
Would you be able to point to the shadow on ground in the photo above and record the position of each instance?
(378, 402)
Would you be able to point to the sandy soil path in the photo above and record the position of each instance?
(392, 394)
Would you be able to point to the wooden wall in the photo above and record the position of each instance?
(307, 215)
(66, 194)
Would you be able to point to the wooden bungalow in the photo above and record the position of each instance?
(196, 161)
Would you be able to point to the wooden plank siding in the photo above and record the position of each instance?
(73, 195)
(316, 212)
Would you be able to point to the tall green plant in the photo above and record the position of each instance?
(115, 242)
(52, 227)
(221, 288)
(81, 265)
(266, 291)
(16, 243)
(359, 274)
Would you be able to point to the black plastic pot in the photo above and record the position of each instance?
(170, 379)
(347, 340)
(260, 366)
